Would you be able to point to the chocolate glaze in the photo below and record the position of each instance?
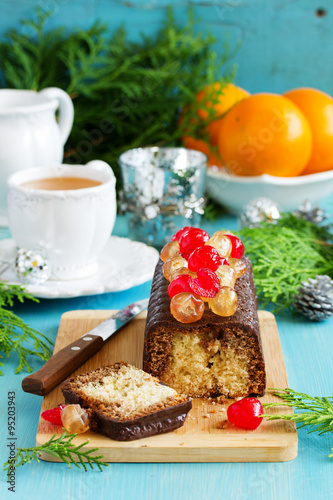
(160, 319)
(157, 421)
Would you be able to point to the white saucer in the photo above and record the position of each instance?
(123, 264)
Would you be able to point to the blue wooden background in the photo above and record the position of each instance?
(284, 43)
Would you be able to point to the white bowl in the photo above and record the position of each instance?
(234, 192)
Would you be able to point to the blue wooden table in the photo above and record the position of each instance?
(283, 45)
(307, 349)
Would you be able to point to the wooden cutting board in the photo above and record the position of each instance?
(206, 435)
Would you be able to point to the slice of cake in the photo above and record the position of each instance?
(214, 356)
(125, 403)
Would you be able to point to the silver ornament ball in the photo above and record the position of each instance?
(32, 266)
(257, 211)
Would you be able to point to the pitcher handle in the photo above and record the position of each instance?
(66, 110)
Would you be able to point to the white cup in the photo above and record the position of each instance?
(72, 226)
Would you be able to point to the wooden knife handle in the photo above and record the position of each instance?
(62, 364)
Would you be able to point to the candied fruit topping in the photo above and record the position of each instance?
(192, 239)
(245, 413)
(204, 256)
(202, 269)
(75, 419)
(225, 302)
(53, 415)
(179, 284)
(186, 307)
(171, 265)
(207, 284)
(238, 266)
(226, 275)
(170, 250)
(237, 247)
(221, 243)
(180, 233)
(181, 271)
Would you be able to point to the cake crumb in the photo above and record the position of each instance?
(213, 411)
(144, 446)
(206, 415)
(222, 425)
(181, 444)
(221, 400)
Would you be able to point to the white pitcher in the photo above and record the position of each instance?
(30, 135)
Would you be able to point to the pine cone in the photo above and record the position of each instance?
(315, 298)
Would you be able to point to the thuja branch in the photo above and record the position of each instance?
(285, 254)
(125, 94)
(62, 448)
(15, 334)
(315, 412)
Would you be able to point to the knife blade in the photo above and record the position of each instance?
(68, 359)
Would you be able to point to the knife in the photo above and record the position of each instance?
(68, 359)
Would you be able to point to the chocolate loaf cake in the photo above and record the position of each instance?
(125, 403)
(215, 356)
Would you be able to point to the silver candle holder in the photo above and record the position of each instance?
(163, 191)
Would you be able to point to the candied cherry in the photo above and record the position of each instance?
(53, 415)
(221, 243)
(225, 302)
(185, 255)
(169, 250)
(207, 284)
(192, 239)
(226, 275)
(238, 266)
(179, 284)
(237, 247)
(181, 271)
(245, 413)
(186, 307)
(180, 233)
(171, 265)
(205, 256)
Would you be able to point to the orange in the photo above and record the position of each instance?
(200, 145)
(224, 98)
(218, 100)
(265, 134)
(317, 106)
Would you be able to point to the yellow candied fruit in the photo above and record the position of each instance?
(171, 265)
(221, 243)
(225, 302)
(238, 265)
(226, 275)
(170, 250)
(185, 307)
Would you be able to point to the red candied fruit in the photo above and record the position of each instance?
(53, 415)
(207, 283)
(245, 413)
(180, 233)
(179, 284)
(192, 239)
(206, 256)
(237, 247)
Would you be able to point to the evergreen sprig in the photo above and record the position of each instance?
(15, 333)
(315, 412)
(126, 94)
(61, 447)
(285, 254)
